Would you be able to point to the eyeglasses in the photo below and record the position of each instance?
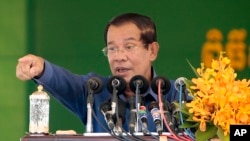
(109, 51)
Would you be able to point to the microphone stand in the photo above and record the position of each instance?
(94, 85)
(138, 84)
(114, 100)
(138, 104)
(90, 99)
(117, 130)
(116, 85)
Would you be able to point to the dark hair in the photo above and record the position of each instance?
(144, 23)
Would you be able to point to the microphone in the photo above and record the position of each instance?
(179, 82)
(143, 118)
(180, 86)
(105, 109)
(139, 82)
(155, 112)
(171, 121)
(175, 113)
(94, 85)
(165, 87)
(165, 84)
(116, 85)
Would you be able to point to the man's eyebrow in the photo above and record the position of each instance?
(130, 38)
(127, 39)
(111, 42)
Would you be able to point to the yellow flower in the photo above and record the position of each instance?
(218, 97)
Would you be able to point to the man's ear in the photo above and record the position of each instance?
(154, 48)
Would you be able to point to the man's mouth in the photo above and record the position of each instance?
(121, 70)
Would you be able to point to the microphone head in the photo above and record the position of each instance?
(105, 106)
(140, 82)
(118, 83)
(95, 84)
(153, 104)
(180, 82)
(165, 84)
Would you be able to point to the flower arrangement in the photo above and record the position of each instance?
(219, 100)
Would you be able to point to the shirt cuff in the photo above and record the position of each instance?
(47, 74)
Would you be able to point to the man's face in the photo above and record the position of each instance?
(131, 57)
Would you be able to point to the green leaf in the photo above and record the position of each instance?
(183, 107)
(209, 133)
(185, 112)
(221, 135)
(193, 68)
(190, 125)
(190, 118)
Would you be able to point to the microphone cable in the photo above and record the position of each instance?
(174, 136)
(162, 85)
(104, 128)
(187, 130)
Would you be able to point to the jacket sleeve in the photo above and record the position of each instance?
(67, 88)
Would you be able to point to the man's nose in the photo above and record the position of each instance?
(120, 54)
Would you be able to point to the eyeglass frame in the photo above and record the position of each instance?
(126, 48)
